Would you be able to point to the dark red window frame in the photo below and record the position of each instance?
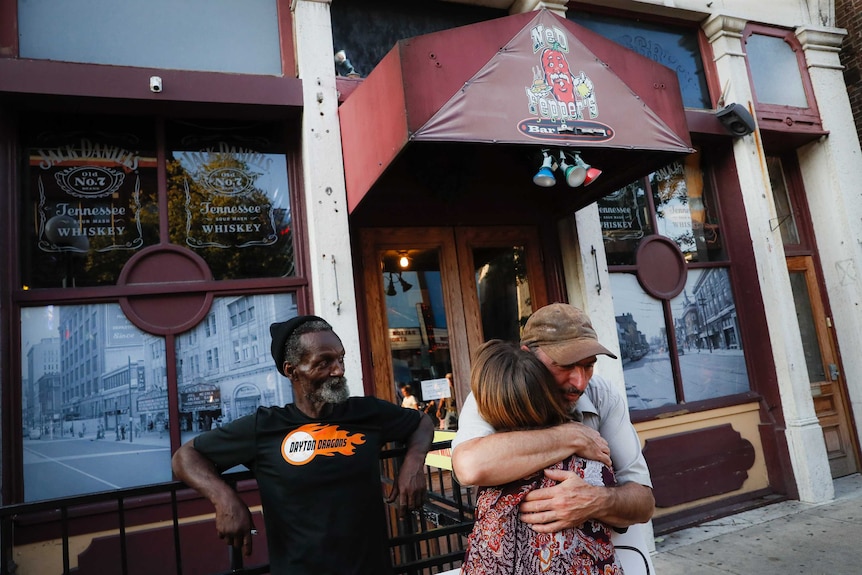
(39, 86)
(786, 119)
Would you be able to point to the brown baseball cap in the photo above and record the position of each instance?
(564, 332)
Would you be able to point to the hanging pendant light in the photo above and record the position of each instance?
(592, 174)
(575, 173)
(405, 285)
(545, 176)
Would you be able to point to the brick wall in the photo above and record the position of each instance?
(848, 14)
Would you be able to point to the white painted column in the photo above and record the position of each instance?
(588, 282)
(832, 172)
(324, 191)
(804, 435)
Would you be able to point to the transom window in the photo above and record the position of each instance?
(206, 35)
(674, 46)
(783, 94)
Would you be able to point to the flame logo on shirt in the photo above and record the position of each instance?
(307, 442)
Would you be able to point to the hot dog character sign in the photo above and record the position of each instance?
(556, 93)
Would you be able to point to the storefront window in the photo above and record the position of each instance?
(642, 334)
(224, 366)
(368, 29)
(95, 402)
(685, 212)
(675, 347)
(673, 46)
(239, 37)
(95, 390)
(229, 198)
(625, 220)
(706, 326)
(89, 201)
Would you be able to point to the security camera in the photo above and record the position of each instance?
(736, 120)
(155, 84)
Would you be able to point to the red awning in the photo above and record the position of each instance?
(530, 80)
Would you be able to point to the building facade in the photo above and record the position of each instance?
(847, 15)
(425, 175)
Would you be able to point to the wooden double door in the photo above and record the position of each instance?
(432, 295)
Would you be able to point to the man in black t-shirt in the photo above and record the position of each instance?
(316, 462)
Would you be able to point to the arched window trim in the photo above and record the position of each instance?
(778, 117)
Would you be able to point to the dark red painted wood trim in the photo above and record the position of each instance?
(786, 118)
(8, 28)
(711, 511)
(745, 282)
(201, 551)
(120, 82)
(704, 122)
(661, 267)
(285, 37)
(34, 527)
(753, 331)
(10, 393)
(681, 474)
(675, 410)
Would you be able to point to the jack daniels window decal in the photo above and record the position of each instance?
(90, 204)
(229, 198)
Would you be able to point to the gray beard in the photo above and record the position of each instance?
(333, 390)
(570, 406)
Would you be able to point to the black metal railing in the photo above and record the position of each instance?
(433, 539)
(426, 542)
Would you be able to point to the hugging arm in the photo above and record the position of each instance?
(489, 458)
(503, 457)
(572, 501)
(482, 457)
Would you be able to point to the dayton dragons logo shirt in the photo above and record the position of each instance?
(316, 439)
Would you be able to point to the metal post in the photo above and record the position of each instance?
(131, 427)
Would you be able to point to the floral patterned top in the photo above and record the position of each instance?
(501, 544)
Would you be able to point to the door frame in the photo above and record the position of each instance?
(838, 398)
(459, 290)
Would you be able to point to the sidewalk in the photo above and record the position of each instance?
(781, 539)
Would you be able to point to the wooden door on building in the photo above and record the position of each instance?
(827, 382)
(432, 295)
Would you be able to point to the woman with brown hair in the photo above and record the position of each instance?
(515, 391)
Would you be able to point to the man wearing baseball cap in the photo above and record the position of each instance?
(563, 338)
(316, 462)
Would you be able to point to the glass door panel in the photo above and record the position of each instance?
(502, 280)
(503, 289)
(808, 330)
(418, 328)
(415, 316)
